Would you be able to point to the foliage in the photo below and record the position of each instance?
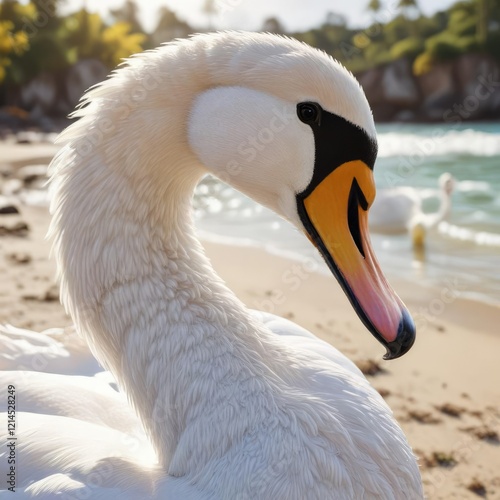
(410, 47)
(422, 64)
(374, 5)
(444, 46)
(118, 43)
(12, 43)
(89, 38)
(36, 38)
(129, 14)
(425, 40)
(397, 29)
(377, 53)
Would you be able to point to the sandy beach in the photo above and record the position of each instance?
(445, 392)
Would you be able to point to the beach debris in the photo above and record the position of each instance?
(50, 295)
(369, 367)
(439, 458)
(19, 228)
(422, 416)
(29, 174)
(451, 410)
(19, 257)
(28, 137)
(484, 433)
(477, 487)
(495, 412)
(6, 170)
(383, 392)
(7, 207)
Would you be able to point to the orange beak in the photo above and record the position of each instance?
(335, 215)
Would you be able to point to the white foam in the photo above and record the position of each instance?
(482, 238)
(440, 142)
(474, 187)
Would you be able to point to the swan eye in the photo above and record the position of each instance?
(309, 112)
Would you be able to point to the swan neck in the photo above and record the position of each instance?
(445, 207)
(146, 298)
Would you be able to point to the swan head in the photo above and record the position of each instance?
(447, 183)
(291, 128)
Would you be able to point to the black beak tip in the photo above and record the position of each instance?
(404, 339)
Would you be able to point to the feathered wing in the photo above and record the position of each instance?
(363, 416)
(58, 350)
(301, 339)
(77, 435)
(80, 437)
(394, 208)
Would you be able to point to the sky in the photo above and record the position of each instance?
(295, 15)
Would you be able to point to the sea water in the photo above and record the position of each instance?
(464, 251)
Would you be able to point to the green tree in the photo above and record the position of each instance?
(397, 29)
(47, 13)
(128, 13)
(374, 6)
(45, 51)
(169, 27)
(12, 43)
(89, 38)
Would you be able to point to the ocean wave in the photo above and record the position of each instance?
(481, 238)
(441, 142)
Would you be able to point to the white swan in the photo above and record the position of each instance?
(398, 210)
(235, 404)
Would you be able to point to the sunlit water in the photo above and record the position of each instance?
(464, 251)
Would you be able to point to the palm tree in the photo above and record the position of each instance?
(374, 7)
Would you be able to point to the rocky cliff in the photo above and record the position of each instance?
(467, 88)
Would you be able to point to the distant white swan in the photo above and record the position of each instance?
(398, 210)
(224, 403)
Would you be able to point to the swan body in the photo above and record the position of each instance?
(399, 210)
(221, 402)
(53, 351)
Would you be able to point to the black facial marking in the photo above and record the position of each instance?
(336, 141)
(356, 199)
